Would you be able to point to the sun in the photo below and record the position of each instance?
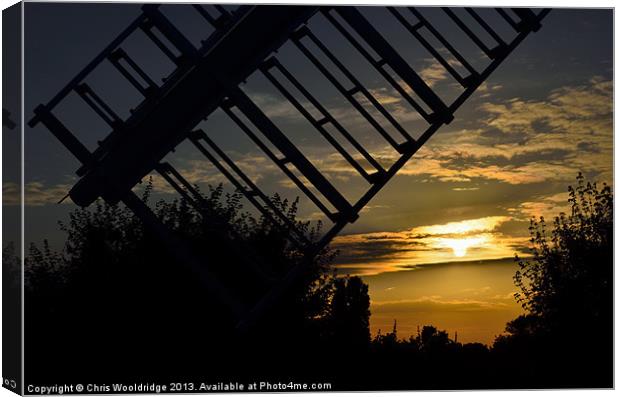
(460, 245)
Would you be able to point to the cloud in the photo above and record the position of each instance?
(36, 193)
(433, 73)
(469, 226)
(392, 101)
(465, 189)
(528, 141)
(368, 208)
(575, 110)
(436, 303)
(521, 142)
(477, 291)
(377, 252)
(546, 206)
(486, 90)
(278, 107)
(202, 172)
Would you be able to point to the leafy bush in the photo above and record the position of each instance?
(115, 289)
(569, 276)
(565, 339)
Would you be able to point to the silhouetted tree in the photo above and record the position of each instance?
(114, 298)
(11, 311)
(432, 340)
(11, 266)
(566, 289)
(388, 343)
(570, 274)
(349, 313)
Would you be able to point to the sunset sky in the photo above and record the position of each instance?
(432, 245)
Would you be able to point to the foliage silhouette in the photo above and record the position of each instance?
(113, 304)
(113, 298)
(349, 314)
(566, 289)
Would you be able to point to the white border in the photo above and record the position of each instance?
(547, 3)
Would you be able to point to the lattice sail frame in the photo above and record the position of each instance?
(239, 45)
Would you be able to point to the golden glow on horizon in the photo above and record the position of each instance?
(471, 239)
(460, 245)
(468, 226)
(475, 299)
(459, 236)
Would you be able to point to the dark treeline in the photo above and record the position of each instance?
(115, 306)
